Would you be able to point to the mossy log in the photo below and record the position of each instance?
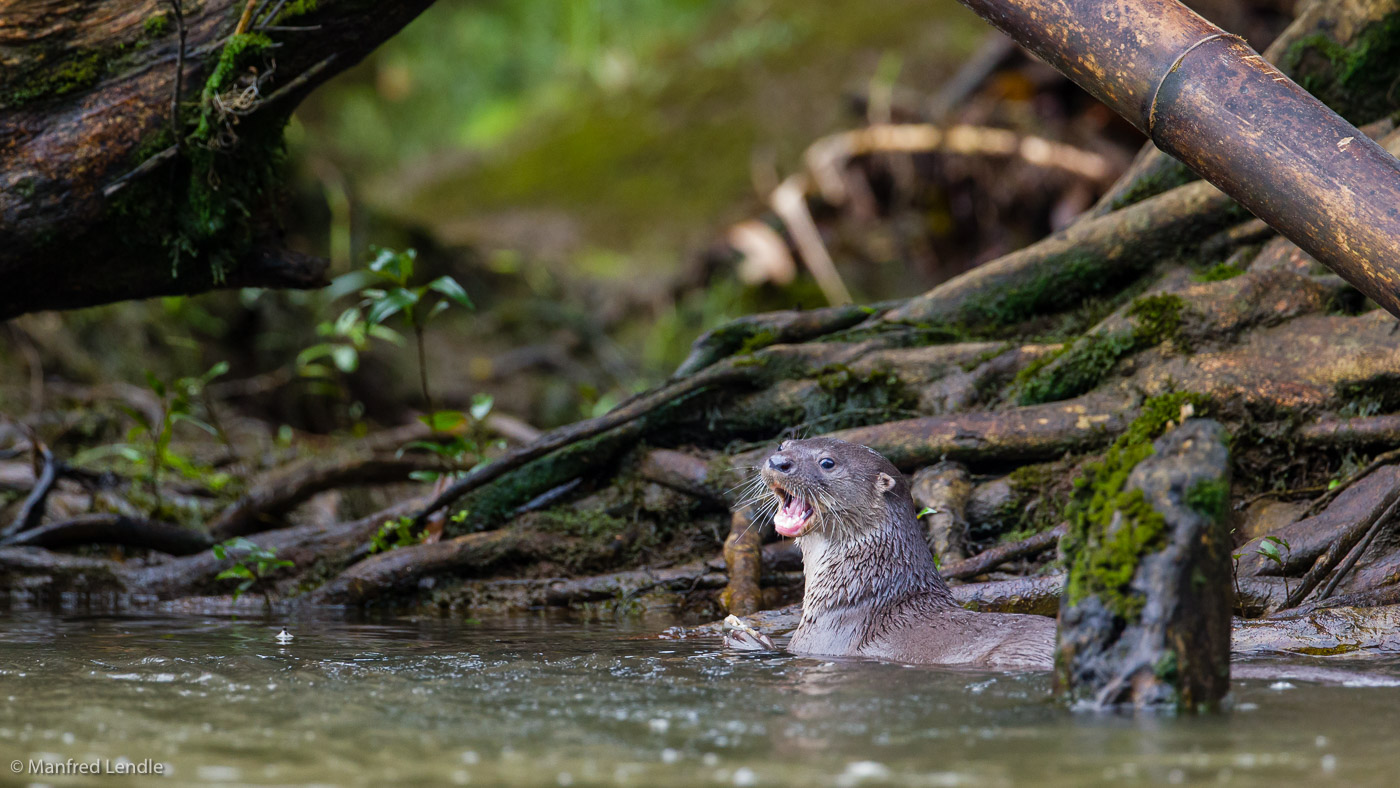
(1145, 620)
(140, 148)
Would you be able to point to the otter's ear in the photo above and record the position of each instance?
(884, 483)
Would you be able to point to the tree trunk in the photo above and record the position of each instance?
(140, 148)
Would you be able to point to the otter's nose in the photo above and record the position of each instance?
(780, 463)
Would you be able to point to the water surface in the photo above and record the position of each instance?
(539, 701)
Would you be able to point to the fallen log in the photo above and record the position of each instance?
(139, 149)
(114, 529)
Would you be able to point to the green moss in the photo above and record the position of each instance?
(1356, 81)
(1080, 365)
(756, 339)
(847, 398)
(1074, 369)
(156, 25)
(296, 8)
(1112, 528)
(1157, 413)
(1210, 497)
(588, 523)
(1168, 175)
(1217, 273)
(1060, 285)
(228, 178)
(70, 73)
(1037, 503)
(1167, 666)
(1158, 318)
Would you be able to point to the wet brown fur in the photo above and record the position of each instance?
(872, 588)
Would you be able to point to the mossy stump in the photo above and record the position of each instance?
(1145, 619)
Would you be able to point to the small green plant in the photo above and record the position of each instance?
(1269, 549)
(389, 290)
(346, 338)
(147, 447)
(253, 564)
(394, 534)
(465, 442)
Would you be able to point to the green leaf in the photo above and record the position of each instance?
(387, 334)
(237, 570)
(424, 476)
(176, 418)
(215, 371)
(481, 405)
(347, 321)
(136, 416)
(314, 352)
(449, 288)
(392, 303)
(155, 384)
(346, 358)
(926, 511)
(384, 260)
(443, 420)
(129, 453)
(1270, 551)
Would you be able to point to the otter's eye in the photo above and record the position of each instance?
(827, 463)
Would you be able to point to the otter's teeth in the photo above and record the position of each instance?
(792, 518)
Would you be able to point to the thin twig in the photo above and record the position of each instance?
(33, 509)
(246, 18)
(294, 83)
(1357, 551)
(1334, 555)
(272, 15)
(173, 151)
(141, 169)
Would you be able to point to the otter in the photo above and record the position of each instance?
(872, 589)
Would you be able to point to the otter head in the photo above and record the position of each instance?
(830, 484)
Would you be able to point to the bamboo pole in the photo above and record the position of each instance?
(1207, 98)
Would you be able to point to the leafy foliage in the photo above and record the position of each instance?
(253, 564)
(148, 442)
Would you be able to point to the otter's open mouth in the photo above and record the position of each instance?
(793, 513)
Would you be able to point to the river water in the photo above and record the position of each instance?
(544, 701)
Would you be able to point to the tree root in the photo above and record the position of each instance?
(1095, 257)
(32, 511)
(625, 414)
(306, 546)
(1359, 537)
(114, 529)
(1027, 434)
(988, 560)
(262, 508)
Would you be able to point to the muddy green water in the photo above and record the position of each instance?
(548, 702)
